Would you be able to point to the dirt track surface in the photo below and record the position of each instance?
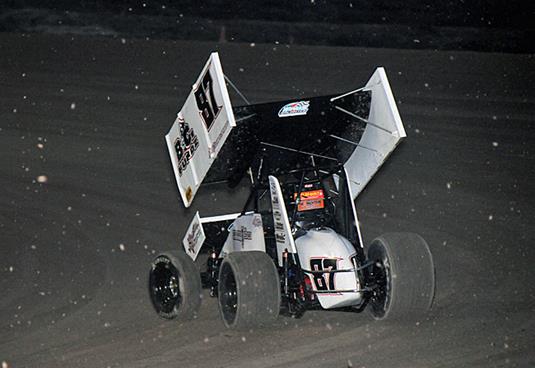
(90, 115)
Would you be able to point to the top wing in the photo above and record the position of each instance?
(282, 131)
(358, 130)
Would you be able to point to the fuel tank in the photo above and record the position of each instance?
(323, 249)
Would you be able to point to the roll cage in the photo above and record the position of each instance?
(319, 173)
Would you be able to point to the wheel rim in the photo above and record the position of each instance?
(164, 286)
(228, 294)
(380, 299)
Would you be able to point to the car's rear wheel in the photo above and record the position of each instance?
(402, 274)
(248, 290)
(175, 286)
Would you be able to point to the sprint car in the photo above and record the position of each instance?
(297, 243)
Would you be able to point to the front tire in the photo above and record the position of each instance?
(248, 290)
(403, 274)
(175, 286)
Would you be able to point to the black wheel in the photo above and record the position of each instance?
(175, 286)
(248, 290)
(403, 276)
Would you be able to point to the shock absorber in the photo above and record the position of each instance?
(293, 292)
(285, 267)
(213, 270)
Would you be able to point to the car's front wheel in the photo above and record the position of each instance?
(175, 286)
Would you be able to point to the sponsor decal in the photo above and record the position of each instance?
(189, 193)
(277, 217)
(294, 109)
(185, 145)
(257, 221)
(242, 234)
(193, 238)
(310, 200)
(160, 259)
(280, 233)
(212, 150)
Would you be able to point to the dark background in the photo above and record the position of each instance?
(480, 25)
(473, 13)
(89, 89)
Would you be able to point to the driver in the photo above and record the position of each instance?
(311, 210)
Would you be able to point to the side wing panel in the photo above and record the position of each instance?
(200, 232)
(194, 238)
(200, 129)
(383, 132)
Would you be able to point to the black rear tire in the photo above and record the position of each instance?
(175, 286)
(404, 273)
(248, 290)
